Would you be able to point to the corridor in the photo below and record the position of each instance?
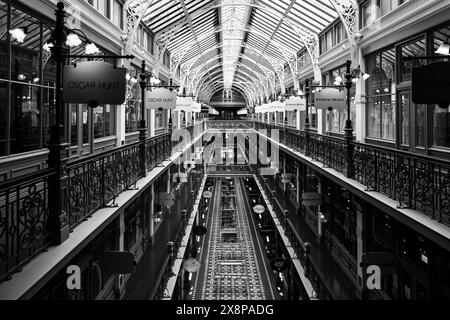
(234, 265)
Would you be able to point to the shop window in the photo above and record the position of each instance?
(104, 121)
(412, 49)
(371, 10)
(381, 97)
(441, 126)
(73, 125)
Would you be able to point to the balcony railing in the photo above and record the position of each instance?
(93, 182)
(415, 181)
(418, 182)
(25, 227)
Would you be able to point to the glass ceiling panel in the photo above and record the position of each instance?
(252, 35)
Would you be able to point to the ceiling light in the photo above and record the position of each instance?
(365, 76)
(91, 48)
(18, 34)
(73, 40)
(444, 48)
(21, 77)
(36, 79)
(338, 79)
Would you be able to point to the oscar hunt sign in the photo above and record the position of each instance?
(94, 83)
(161, 98)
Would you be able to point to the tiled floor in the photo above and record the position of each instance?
(232, 271)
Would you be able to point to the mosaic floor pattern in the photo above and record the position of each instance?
(231, 268)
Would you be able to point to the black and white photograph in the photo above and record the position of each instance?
(227, 158)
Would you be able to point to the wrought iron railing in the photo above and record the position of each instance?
(296, 243)
(329, 150)
(158, 149)
(95, 182)
(418, 182)
(161, 292)
(25, 226)
(415, 181)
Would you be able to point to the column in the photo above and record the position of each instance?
(152, 212)
(152, 122)
(319, 212)
(360, 102)
(359, 243)
(299, 117)
(299, 185)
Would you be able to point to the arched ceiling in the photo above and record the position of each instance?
(244, 45)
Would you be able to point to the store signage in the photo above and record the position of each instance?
(295, 104)
(184, 104)
(94, 83)
(160, 98)
(374, 265)
(431, 84)
(166, 199)
(117, 262)
(287, 177)
(199, 230)
(191, 265)
(279, 264)
(259, 209)
(311, 199)
(197, 107)
(207, 194)
(330, 98)
(267, 230)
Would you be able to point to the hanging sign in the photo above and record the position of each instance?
(94, 83)
(311, 199)
(197, 107)
(184, 104)
(207, 195)
(330, 98)
(191, 265)
(431, 84)
(287, 177)
(199, 230)
(279, 264)
(161, 98)
(259, 209)
(295, 104)
(166, 199)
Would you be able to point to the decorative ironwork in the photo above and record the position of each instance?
(25, 229)
(96, 181)
(417, 182)
(347, 12)
(328, 150)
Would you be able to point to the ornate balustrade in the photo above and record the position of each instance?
(296, 243)
(25, 225)
(328, 150)
(418, 182)
(95, 182)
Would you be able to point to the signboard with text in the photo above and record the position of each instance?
(160, 98)
(431, 84)
(295, 104)
(330, 98)
(94, 83)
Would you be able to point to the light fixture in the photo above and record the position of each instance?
(154, 80)
(36, 79)
(386, 90)
(18, 34)
(444, 48)
(365, 76)
(338, 79)
(133, 80)
(128, 77)
(21, 77)
(73, 40)
(48, 46)
(91, 48)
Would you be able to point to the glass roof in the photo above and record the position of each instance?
(232, 44)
